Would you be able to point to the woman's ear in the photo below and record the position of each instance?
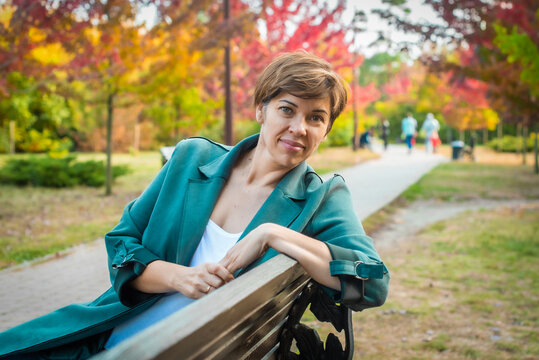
(260, 114)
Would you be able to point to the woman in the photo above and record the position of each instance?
(430, 127)
(213, 212)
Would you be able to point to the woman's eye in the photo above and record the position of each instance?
(318, 118)
(286, 109)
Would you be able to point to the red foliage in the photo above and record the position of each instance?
(291, 25)
(54, 19)
(398, 85)
(365, 95)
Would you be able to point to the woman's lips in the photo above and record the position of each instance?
(292, 145)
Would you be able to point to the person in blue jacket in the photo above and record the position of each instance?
(192, 231)
(409, 131)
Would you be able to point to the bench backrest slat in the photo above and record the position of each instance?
(239, 320)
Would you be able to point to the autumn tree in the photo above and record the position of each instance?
(33, 35)
(472, 26)
(289, 25)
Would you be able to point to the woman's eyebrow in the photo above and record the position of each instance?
(320, 110)
(289, 102)
(293, 104)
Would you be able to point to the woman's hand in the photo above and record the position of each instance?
(194, 282)
(250, 248)
(197, 281)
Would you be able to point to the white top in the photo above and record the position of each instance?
(213, 247)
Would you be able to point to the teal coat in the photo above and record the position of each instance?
(167, 222)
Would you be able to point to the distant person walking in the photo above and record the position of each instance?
(385, 132)
(431, 127)
(365, 141)
(409, 130)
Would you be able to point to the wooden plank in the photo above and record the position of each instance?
(266, 344)
(272, 354)
(241, 329)
(194, 327)
(249, 331)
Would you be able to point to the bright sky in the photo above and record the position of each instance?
(373, 26)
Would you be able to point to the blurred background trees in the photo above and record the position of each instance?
(74, 73)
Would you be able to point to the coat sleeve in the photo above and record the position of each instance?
(127, 257)
(364, 277)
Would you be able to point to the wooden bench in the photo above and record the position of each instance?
(256, 316)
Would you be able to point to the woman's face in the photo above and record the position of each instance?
(292, 127)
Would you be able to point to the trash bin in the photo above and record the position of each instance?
(457, 147)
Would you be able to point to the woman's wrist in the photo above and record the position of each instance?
(274, 235)
(269, 235)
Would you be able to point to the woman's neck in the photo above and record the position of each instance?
(259, 171)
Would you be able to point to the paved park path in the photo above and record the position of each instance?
(80, 273)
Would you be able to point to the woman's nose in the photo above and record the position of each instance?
(297, 126)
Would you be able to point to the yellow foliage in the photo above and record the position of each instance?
(92, 34)
(347, 74)
(468, 118)
(60, 74)
(58, 154)
(6, 12)
(51, 54)
(36, 35)
(491, 118)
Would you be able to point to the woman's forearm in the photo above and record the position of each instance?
(312, 254)
(156, 278)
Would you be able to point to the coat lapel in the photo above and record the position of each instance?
(201, 195)
(200, 198)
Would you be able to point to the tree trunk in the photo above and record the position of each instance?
(108, 180)
(136, 140)
(177, 123)
(12, 136)
(355, 139)
(485, 136)
(136, 137)
(524, 144)
(500, 135)
(461, 135)
(229, 125)
(535, 148)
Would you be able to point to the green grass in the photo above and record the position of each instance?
(38, 221)
(464, 181)
(457, 281)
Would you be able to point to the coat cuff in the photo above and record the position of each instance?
(363, 279)
(131, 266)
(358, 268)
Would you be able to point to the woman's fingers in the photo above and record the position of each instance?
(202, 279)
(220, 271)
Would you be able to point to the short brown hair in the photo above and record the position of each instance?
(303, 75)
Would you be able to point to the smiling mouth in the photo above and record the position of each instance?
(292, 145)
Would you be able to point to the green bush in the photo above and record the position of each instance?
(341, 133)
(52, 172)
(511, 143)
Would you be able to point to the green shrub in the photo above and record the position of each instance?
(52, 172)
(510, 143)
(341, 133)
